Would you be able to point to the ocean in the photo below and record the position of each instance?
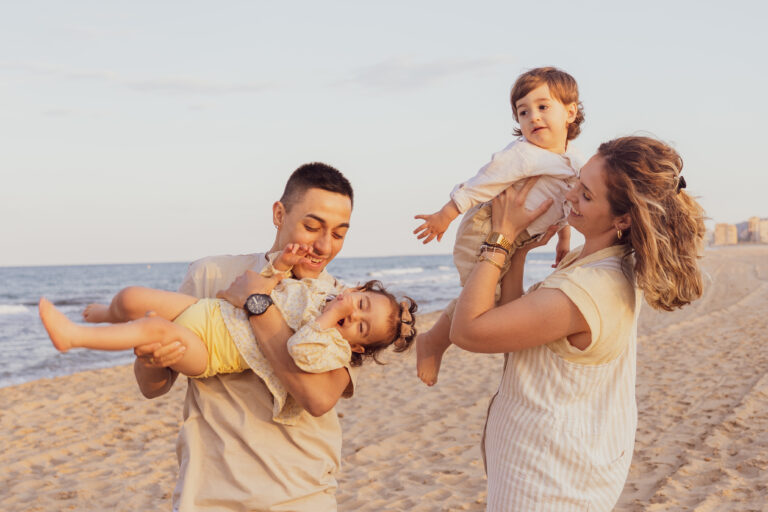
(26, 353)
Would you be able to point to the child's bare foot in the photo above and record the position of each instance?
(428, 358)
(96, 313)
(59, 327)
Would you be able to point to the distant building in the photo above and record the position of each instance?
(753, 227)
(762, 231)
(726, 234)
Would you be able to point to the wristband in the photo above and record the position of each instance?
(496, 239)
(490, 260)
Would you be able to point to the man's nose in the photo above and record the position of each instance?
(322, 244)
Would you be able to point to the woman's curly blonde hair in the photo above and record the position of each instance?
(667, 225)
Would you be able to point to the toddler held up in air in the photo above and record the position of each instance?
(545, 103)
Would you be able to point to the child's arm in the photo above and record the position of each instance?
(563, 244)
(435, 224)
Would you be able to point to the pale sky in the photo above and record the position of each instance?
(163, 131)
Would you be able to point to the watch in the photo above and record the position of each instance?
(257, 304)
(496, 239)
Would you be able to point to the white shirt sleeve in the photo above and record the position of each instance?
(506, 167)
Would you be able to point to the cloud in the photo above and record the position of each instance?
(405, 73)
(159, 85)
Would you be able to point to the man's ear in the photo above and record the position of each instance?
(357, 348)
(278, 214)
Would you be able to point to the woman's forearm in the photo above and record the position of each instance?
(512, 282)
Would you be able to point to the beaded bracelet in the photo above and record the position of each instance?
(494, 248)
(490, 260)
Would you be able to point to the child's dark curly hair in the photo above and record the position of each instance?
(402, 325)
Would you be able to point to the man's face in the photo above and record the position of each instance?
(319, 219)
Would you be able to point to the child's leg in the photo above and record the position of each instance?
(133, 303)
(430, 347)
(66, 334)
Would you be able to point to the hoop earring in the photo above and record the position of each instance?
(619, 233)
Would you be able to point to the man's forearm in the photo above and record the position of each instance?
(153, 381)
(317, 393)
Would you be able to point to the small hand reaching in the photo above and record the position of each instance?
(291, 255)
(435, 224)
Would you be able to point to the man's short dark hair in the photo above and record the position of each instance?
(315, 175)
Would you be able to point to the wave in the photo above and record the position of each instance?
(13, 309)
(396, 271)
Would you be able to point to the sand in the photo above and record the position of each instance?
(91, 442)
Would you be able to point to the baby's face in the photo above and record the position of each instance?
(544, 120)
(369, 320)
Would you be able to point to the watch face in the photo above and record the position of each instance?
(258, 303)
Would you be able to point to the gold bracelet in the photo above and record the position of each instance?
(485, 257)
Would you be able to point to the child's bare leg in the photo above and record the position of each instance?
(66, 334)
(430, 347)
(134, 302)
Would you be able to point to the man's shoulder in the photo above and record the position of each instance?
(210, 274)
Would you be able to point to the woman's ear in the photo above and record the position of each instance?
(357, 348)
(278, 214)
(623, 222)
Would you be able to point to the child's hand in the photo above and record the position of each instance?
(292, 254)
(336, 309)
(563, 245)
(434, 225)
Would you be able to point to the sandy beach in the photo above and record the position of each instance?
(90, 441)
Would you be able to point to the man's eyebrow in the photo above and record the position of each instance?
(585, 187)
(322, 221)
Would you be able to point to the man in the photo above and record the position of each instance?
(232, 456)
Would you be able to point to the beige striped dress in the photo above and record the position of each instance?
(561, 428)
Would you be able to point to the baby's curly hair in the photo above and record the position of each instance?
(561, 85)
(402, 324)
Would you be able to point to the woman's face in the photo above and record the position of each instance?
(590, 210)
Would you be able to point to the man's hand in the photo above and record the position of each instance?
(247, 284)
(156, 355)
(434, 225)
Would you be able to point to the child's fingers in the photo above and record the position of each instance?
(420, 228)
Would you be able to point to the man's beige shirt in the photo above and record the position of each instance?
(232, 456)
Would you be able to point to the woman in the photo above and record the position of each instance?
(560, 430)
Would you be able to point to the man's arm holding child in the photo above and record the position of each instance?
(317, 393)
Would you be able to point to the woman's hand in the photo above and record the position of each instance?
(509, 215)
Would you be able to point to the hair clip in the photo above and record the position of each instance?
(680, 183)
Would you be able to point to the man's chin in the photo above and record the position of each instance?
(307, 271)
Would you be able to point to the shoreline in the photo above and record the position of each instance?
(90, 440)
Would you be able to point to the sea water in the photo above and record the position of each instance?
(26, 352)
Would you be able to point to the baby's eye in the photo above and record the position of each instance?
(360, 304)
(543, 107)
(522, 113)
(360, 328)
